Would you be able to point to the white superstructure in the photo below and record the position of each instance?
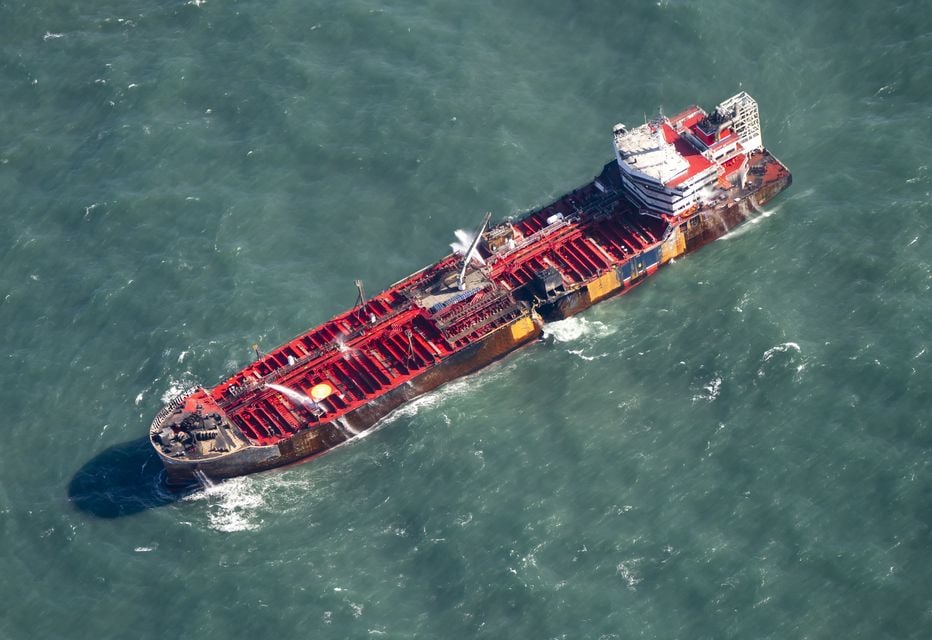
(670, 165)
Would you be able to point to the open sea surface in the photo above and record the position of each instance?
(738, 449)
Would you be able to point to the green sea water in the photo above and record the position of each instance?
(738, 449)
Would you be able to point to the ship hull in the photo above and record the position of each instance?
(688, 234)
(310, 443)
(707, 228)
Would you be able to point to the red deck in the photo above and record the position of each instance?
(391, 339)
(579, 251)
(397, 335)
(338, 379)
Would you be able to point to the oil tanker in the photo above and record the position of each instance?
(675, 184)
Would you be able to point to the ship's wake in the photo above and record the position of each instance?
(240, 504)
(232, 505)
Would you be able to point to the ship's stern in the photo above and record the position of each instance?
(195, 440)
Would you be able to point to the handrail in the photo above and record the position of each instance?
(170, 407)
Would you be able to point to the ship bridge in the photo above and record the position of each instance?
(669, 166)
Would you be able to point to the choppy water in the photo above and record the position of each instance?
(738, 449)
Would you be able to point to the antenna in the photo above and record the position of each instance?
(461, 279)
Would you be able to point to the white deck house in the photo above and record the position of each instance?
(670, 165)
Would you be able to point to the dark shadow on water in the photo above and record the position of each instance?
(122, 480)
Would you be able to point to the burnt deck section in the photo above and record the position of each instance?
(590, 231)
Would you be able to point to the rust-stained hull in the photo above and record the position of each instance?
(339, 380)
(696, 232)
(310, 443)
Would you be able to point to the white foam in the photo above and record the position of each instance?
(786, 347)
(764, 214)
(574, 328)
(175, 388)
(462, 386)
(432, 399)
(92, 206)
(238, 504)
(885, 90)
(581, 333)
(712, 390)
(780, 348)
(232, 505)
(626, 570)
(580, 354)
